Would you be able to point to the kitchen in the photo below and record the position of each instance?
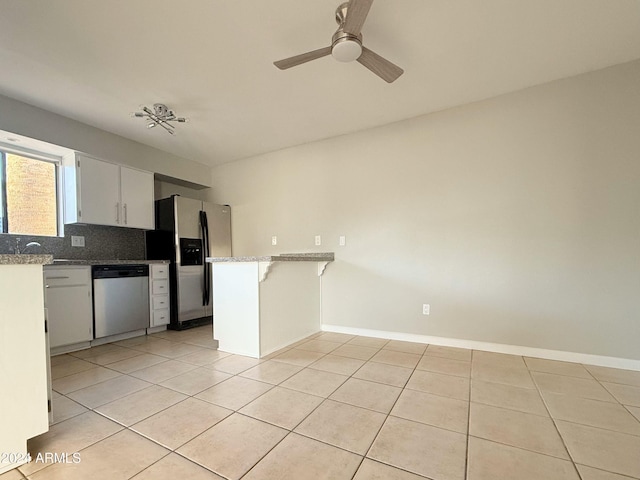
(512, 217)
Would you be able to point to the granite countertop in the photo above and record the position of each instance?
(64, 262)
(283, 257)
(12, 259)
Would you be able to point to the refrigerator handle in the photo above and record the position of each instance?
(205, 253)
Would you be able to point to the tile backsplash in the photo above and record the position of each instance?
(101, 243)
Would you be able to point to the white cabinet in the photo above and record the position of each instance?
(159, 294)
(67, 297)
(103, 193)
(23, 363)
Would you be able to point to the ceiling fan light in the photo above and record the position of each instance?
(346, 50)
(151, 124)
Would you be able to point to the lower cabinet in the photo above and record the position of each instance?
(67, 297)
(159, 294)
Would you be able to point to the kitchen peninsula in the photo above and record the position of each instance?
(262, 304)
(23, 356)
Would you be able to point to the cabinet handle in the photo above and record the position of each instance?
(118, 212)
(55, 278)
(46, 286)
(125, 213)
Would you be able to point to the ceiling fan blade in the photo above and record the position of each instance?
(303, 58)
(356, 15)
(380, 66)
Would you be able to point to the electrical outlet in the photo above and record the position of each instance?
(318, 240)
(77, 241)
(274, 240)
(342, 240)
(426, 308)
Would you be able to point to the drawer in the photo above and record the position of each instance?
(159, 271)
(59, 277)
(160, 317)
(159, 286)
(160, 302)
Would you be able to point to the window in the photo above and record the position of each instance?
(28, 195)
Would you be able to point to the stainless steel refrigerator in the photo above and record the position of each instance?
(187, 231)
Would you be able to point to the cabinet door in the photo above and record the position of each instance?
(137, 198)
(69, 315)
(98, 191)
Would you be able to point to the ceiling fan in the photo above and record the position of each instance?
(346, 44)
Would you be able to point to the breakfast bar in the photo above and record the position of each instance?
(262, 304)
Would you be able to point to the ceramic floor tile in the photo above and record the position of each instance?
(162, 371)
(336, 364)
(368, 342)
(625, 394)
(402, 443)
(557, 367)
(507, 375)
(140, 405)
(282, 407)
(406, 347)
(95, 351)
(506, 396)
(335, 337)
(384, 373)
(453, 353)
(342, 425)
(120, 456)
(75, 365)
(611, 451)
(492, 461)
(518, 429)
(60, 359)
(108, 391)
(371, 395)
(438, 384)
(298, 457)
(204, 357)
(315, 382)
(498, 359)
(234, 393)
(195, 381)
(64, 408)
(355, 351)
(589, 473)
(578, 387)
(114, 356)
(175, 467)
(69, 436)
(595, 413)
(231, 447)
(74, 382)
(445, 366)
(615, 375)
(371, 470)
(235, 364)
(301, 358)
(11, 475)
(443, 412)
(138, 362)
(271, 372)
(181, 422)
(321, 346)
(180, 350)
(154, 346)
(399, 359)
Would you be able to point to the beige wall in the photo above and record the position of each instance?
(33, 122)
(516, 218)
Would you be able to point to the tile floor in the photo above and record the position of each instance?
(334, 406)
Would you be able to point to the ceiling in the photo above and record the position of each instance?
(211, 61)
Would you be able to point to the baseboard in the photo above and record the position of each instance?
(586, 358)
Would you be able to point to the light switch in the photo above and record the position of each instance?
(274, 240)
(318, 240)
(342, 241)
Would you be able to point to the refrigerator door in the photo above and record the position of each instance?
(190, 289)
(218, 232)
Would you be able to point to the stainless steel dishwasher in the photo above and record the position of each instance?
(120, 299)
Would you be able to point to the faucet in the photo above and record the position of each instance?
(16, 250)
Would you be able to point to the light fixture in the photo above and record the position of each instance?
(161, 115)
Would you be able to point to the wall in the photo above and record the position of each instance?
(517, 218)
(33, 122)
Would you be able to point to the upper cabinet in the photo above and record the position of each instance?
(103, 193)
